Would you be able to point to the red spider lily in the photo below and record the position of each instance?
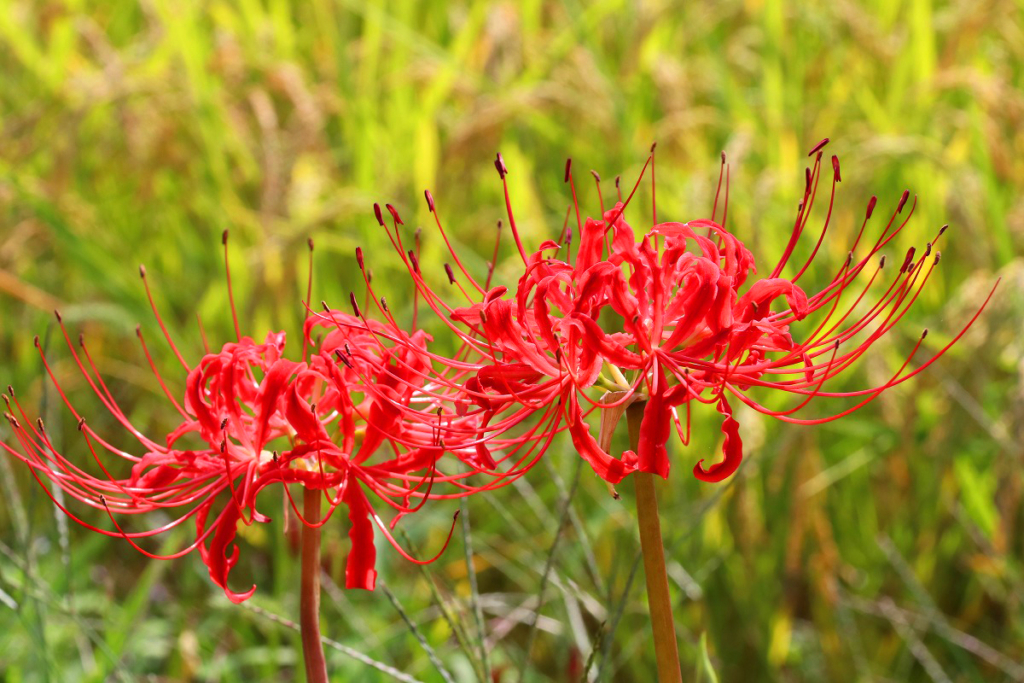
(258, 419)
(674, 319)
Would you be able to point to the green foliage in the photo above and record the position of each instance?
(886, 546)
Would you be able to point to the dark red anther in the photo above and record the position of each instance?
(881, 261)
(359, 257)
(928, 249)
(142, 271)
(138, 331)
(39, 423)
(81, 339)
(394, 214)
(81, 423)
(568, 169)
(909, 258)
(938, 257)
(10, 390)
(618, 178)
(57, 313)
(224, 237)
(415, 261)
(355, 304)
(223, 424)
(35, 341)
(378, 214)
(723, 156)
(596, 176)
(835, 168)
(943, 228)
(924, 334)
(910, 268)
(309, 241)
(818, 147)
(871, 207)
(369, 274)
(903, 201)
(384, 304)
(451, 275)
(499, 164)
(430, 200)
(807, 181)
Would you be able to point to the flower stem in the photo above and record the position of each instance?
(309, 600)
(659, 603)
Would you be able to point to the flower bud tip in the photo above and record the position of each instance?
(903, 201)
(818, 147)
(430, 200)
(377, 213)
(394, 214)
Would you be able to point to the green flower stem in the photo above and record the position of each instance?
(309, 601)
(659, 603)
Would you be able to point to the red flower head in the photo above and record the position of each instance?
(252, 418)
(674, 319)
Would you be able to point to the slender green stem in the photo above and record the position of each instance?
(666, 650)
(309, 600)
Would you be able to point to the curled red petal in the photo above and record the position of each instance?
(359, 569)
(733, 449)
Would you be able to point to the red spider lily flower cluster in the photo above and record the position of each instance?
(597, 321)
(337, 421)
(675, 319)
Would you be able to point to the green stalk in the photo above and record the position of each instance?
(309, 599)
(659, 603)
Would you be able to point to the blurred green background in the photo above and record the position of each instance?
(888, 546)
